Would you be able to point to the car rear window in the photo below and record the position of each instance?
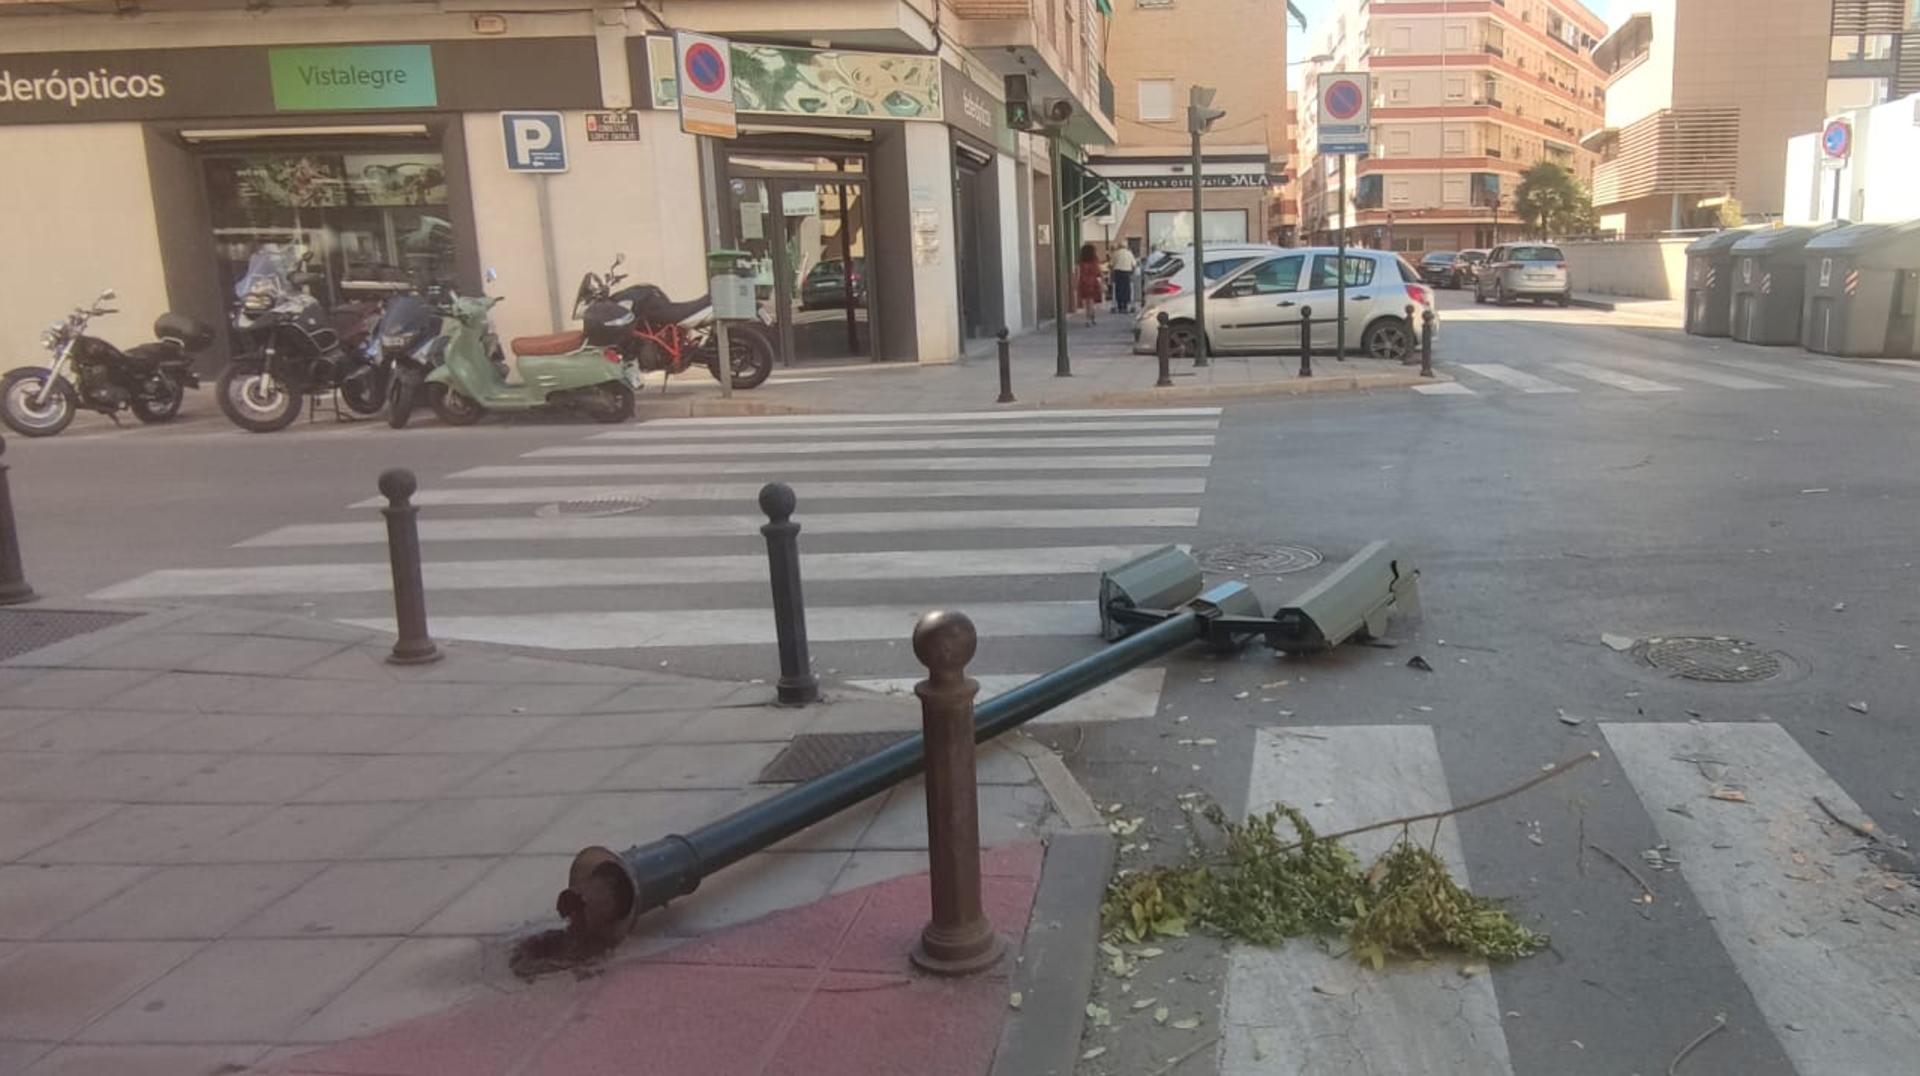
(1441, 257)
(1220, 268)
(1537, 254)
(1359, 271)
(1408, 274)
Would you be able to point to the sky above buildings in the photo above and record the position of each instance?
(1300, 43)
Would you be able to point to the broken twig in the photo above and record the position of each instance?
(1176, 1062)
(1868, 832)
(1539, 778)
(1645, 889)
(1719, 1024)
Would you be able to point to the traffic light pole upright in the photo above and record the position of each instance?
(1340, 269)
(1200, 116)
(1062, 365)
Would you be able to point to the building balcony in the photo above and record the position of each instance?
(1006, 36)
(1494, 50)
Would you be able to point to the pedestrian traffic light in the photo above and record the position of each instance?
(1200, 110)
(1019, 107)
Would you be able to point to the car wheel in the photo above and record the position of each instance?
(1388, 338)
(1566, 300)
(1183, 341)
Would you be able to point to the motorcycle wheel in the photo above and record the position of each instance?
(255, 400)
(752, 355)
(365, 394)
(162, 405)
(611, 401)
(23, 416)
(401, 399)
(453, 408)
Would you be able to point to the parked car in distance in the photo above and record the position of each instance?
(1441, 268)
(1536, 271)
(825, 286)
(1467, 265)
(1174, 276)
(1255, 308)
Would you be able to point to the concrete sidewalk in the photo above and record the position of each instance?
(230, 837)
(1106, 373)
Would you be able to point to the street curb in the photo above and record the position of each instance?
(1303, 387)
(714, 407)
(1593, 304)
(1055, 974)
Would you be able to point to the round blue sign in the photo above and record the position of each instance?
(1837, 139)
(1343, 100)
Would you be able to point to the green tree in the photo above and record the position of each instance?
(1553, 203)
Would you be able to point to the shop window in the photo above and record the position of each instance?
(1410, 244)
(1173, 229)
(366, 218)
(1156, 99)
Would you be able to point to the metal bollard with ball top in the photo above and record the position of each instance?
(1163, 351)
(797, 685)
(1306, 341)
(13, 578)
(1426, 343)
(1006, 368)
(413, 646)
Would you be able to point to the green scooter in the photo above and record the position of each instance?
(564, 370)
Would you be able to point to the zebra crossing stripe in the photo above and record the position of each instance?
(588, 528)
(1521, 380)
(550, 572)
(936, 416)
(1445, 388)
(1696, 372)
(998, 464)
(1905, 371)
(747, 492)
(1129, 697)
(1783, 888)
(748, 627)
(734, 434)
(1615, 378)
(937, 444)
(1301, 1009)
(1781, 370)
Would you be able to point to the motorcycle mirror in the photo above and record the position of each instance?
(492, 274)
(619, 260)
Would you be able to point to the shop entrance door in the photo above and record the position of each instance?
(805, 221)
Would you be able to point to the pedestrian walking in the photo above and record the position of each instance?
(1089, 285)
(1122, 265)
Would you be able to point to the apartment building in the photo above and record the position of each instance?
(1703, 95)
(1157, 50)
(153, 145)
(1468, 94)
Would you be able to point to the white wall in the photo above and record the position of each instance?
(76, 216)
(1644, 268)
(936, 289)
(1015, 311)
(1876, 185)
(642, 199)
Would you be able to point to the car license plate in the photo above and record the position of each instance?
(634, 376)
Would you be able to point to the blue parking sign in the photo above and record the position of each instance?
(536, 141)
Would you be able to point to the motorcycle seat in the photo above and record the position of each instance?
(679, 312)
(550, 344)
(156, 354)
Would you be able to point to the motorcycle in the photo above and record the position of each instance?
(578, 370)
(672, 337)
(408, 341)
(292, 351)
(149, 379)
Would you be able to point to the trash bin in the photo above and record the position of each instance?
(1710, 281)
(730, 284)
(1770, 283)
(1863, 290)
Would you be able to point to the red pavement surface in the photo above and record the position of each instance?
(821, 989)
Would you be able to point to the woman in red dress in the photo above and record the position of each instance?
(1087, 280)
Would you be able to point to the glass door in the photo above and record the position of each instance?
(805, 220)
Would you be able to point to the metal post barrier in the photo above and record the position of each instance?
(1163, 351)
(1426, 344)
(1006, 369)
(13, 578)
(797, 686)
(1413, 327)
(959, 939)
(413, 645)
(1306, 341)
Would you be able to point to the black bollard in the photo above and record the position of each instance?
(1412, 323)
(1006, 369)
(13, 578)
(1426, 344)
(797, 686)
(1306, 341)
(413, 646)
(1163, 351)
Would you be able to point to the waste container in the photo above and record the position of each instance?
(1770, 283)
(730, 284)
(1710, 281)
(1863, 291)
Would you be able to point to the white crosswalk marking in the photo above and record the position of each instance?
(1693, 371)
(745, 492)
(1513, 378)
(1608, 376)
(1905, 371)
(737, 433)
(901, 417)
(1796, 374)
(963, 444)
(996, 464)
(1445, 388)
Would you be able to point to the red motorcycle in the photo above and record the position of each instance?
(672, 337)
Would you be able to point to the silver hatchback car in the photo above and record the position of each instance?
(1536, 271)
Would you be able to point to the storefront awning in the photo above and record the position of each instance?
(1085, 194)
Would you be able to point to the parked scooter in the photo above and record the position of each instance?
(291, 350)
(150, 379)
(672, 337)
(575, 370)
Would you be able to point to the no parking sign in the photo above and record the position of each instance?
(1346, 112)
(705, 76)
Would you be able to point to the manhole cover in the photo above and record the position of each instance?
(815, 753)
(25, 630)
(1719, 658)
(595, 507)
(1256, 559)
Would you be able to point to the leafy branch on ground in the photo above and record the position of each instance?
(1265, 885)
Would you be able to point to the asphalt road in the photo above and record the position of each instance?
(1589, 474)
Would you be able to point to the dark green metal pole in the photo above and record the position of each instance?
(1062, 366)
(1340, 270)
(1199, 257)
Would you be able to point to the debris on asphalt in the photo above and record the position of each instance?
(1719, 1024)
(1015, 999)
(1730, 795)
(1859, 707)
(1160, 1015)
(1418, 662)
(1569, 719)
(1619, 643)
(1331, 991)
(1093, 1053)
(1839, 607)
(1817, 489)
(1241, 694)
(1142, 1003)
(1646, 891)
(1098, 1013)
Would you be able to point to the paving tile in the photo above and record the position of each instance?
(998, 764)
(484, 1039)
(149, 833)
(761, 883)
(218, 621)
(155, 650)
(65, 688)
(396, 777)
(477, 734)
(82, 730)
(25, 827)
(420, 977)
(681, 694)
(16, 1056)
(255, 778)
(482, 826)
(50, 990)
(723, 765)
(1023, 860)
(240, 990)
(518, 891)
(391, 897)
(215, 732)
(1008, 814)
(148, 1060)
(346, 735)
(618, 819)
(263, 655)
(108, 777)
(533, 772)
(805, 936)
(895, 912)
(890, 1025)
(34, 900)
(188, 903)
(14, 721)
(190, 692)
(870, 868)
(682, 1020)
(318, 831)
(355, 663)
(735, 723)
(840, 833)
(613, 730)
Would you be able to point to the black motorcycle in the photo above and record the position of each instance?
(290, 350)
(149, 379)
(407, 339)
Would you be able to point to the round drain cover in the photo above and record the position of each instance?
(1720, 659)
(1256, 559)
(594, 508)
